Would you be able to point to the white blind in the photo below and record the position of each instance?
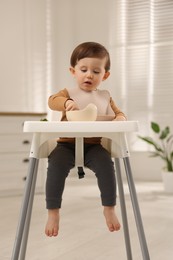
(143, 49)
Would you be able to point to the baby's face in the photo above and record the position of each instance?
(89, 73)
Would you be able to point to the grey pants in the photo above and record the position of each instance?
(62, 160)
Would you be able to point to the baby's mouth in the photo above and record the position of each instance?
(88, 82)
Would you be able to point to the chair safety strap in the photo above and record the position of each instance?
(79, 156)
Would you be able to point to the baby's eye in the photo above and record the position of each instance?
(83, 70)
(96, 71)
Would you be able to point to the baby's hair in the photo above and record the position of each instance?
(90, 50)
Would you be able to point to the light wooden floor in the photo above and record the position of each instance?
(83, 234)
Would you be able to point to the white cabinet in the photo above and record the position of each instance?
(14, 153)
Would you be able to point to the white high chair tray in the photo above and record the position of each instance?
(88, 127)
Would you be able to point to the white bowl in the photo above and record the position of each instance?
(89, 113)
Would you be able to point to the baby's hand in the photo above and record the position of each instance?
(71, 105)
(120, 118)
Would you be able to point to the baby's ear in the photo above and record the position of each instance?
(107, 73)
(72, 70)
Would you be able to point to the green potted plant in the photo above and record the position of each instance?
(163, 148)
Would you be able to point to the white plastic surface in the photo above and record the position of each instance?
(89, 113)
(113, 130)
(90, 128)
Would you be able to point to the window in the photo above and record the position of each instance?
(143, 47)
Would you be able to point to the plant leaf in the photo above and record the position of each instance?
(164, 133)
(170, 138)
(172, 155)
(155, 127)
(43, 119)
(156, 154)
(149, 140)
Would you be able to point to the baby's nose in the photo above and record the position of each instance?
(89, 75)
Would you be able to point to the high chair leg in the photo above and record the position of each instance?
(25, 214)
(123, 209)
(28, 217)
(136, 210)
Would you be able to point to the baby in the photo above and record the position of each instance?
(90, 65)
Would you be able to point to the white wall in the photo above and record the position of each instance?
(145, 168)
(37, 39)
(23, 55)
(75, 22)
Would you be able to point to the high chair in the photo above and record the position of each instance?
(44, 139)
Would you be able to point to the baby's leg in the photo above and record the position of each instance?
(52, 226)
(99, 161)
(111, 219)
(60, 161)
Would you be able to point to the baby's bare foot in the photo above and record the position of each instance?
(52, 225)
(111, 219)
